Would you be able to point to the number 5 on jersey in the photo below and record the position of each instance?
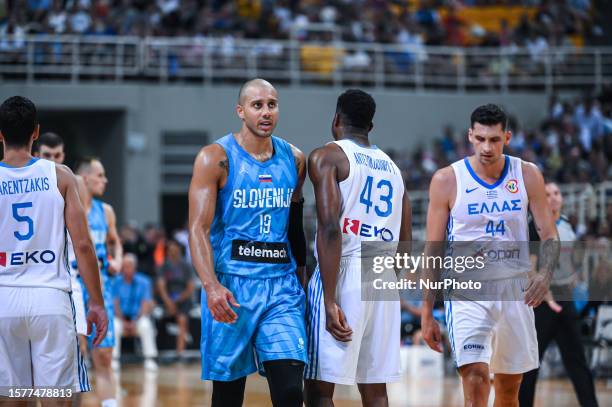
(23, 219)
(386, 194)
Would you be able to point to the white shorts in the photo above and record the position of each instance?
(38, 341)
(373, 354)
(79, 305)
(501, 334)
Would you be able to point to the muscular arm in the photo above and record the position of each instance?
(324, 172)
(112, 240)
(296, 235)
(545, 225)
(442, 188)
(210, 173)
(442, 191)
(76, 223)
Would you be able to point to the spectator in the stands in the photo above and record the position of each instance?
(175, 284)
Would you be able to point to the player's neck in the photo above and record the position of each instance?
(348, 133)
(16, 157)
(261, 148)
(491, 171)
(556, 215)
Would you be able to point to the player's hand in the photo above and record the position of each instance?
(219, 300)
(537, 289)
(114, 266)
(555, 306)
(430, 330)
(336, 323)
(97, 315)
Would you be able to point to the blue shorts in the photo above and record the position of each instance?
(270, 326)
(107, 294)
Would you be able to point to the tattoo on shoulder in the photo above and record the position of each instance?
(225, 165)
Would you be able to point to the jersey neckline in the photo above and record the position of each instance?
(32, 161)
(483, 183)
(370, 147)
(264, 164)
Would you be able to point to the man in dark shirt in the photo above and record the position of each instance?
(175, 285)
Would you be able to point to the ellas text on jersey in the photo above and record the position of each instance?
(477, 208)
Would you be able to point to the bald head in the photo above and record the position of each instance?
(257, 83)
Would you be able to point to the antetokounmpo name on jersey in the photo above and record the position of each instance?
(24, 186)
(476, 208)
(262, 198)
(377, 164)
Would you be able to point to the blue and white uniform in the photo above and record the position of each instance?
(38, 345)
(493, 217)
(372, 197)
(253, 260)
(98, 230)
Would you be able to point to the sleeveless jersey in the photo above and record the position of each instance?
(372, 197)
(98, 229)
(249, 230)
(32, 228)
(494, 218)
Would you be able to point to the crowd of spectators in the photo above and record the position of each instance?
(382, 21)
(572, 145)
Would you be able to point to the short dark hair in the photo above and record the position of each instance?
(84, 164)
(489, 115)
(50, 140)
(18, 120)
(356, 108)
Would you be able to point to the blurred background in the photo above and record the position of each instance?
(143, 84)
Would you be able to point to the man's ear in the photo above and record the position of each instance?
(240, 111)
(508, 137)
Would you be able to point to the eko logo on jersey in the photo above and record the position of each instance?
(512, 186)
(24, 258)
(358, 228)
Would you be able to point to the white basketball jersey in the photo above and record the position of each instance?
(32, 229)
(489, 214)
(372, 197)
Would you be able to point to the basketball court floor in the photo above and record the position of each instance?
(179, 385)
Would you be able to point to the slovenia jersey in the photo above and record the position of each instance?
(98, 229)
(494, 218)
(372, 197)
(32, 228)
(249, 230)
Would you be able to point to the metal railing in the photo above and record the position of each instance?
(335, 63)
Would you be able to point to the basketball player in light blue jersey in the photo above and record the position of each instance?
(40, 205)
(485, 198)
(246, 237)
(102, 227)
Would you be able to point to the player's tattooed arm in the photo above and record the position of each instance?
(208, 177)
(545, 225)
(225, 165)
